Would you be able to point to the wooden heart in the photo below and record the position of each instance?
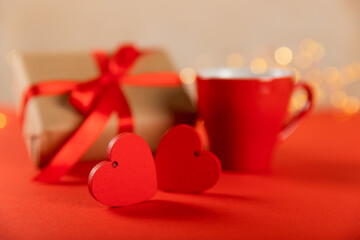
(129, 177)
(182, 165)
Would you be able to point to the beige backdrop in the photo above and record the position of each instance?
(196, 33)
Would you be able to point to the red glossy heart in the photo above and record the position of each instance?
(130, 175)
(182, 165)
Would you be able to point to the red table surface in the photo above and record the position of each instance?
(314, 193)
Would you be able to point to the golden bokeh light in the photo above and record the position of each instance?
(319, 53)
(356, 67)
(307, 45)
(258, 66)
(299, 101)
(350, 73)
(297, 74)
(338, 84)
(312, 49)
(319, 94)
(187, 75)
(283, 55)
(3, 120)
(331, 74)
(351, 105)
(234, 60)
(302, 61)
(338, 98)
(314, 75)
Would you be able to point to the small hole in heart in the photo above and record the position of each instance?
(196, 153)
(115, 164)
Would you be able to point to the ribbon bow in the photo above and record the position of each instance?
(97, 99)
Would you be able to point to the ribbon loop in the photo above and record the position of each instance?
(84, 96)
(123, 60)
(112, 69)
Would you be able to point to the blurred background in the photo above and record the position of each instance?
(319, 40)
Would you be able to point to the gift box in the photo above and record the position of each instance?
(50, 120)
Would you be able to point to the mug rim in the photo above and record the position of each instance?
(225, 73)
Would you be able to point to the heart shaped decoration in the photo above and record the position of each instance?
(130, 175)
(182, 165)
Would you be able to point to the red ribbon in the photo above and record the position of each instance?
(97, 99)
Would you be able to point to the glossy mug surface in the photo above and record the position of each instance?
(245, 114)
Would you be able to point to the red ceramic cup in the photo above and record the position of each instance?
(245, 114)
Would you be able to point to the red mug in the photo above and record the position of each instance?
(244, 114)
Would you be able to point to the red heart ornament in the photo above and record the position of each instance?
(130, 175)
(182, 165)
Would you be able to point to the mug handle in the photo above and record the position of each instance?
(293, 124)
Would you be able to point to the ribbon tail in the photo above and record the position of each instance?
(79, 142)
(160, 79)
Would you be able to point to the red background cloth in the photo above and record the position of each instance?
(314, 193)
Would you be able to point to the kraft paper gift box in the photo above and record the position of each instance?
(50, 120)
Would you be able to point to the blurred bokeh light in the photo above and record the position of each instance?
(258, 66)
(3, 120)
(187, 75)
(283, 55)
(234, 60)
